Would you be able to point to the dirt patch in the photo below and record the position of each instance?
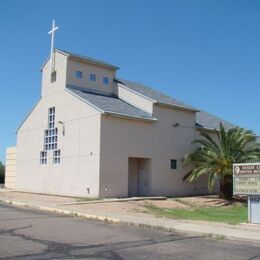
(129, 207)
(208, 201)
(169, 204)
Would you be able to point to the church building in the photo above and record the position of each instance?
(92, 134)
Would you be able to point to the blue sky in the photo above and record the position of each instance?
(205, 53)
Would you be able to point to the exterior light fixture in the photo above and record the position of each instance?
(63, 127)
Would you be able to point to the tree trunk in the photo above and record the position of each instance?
(226, 188)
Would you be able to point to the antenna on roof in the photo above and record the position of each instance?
(51, 32)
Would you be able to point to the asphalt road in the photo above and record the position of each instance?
(31, 234)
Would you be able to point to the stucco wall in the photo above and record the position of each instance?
(85, 82)
(60, 66)
(160, 141)
(78, 173)
(134, 99)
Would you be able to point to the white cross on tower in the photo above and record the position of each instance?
(51, 32)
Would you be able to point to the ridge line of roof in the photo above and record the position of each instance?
(130, 116)
(126, 86)
(84, 100)
(86, 58)
(91, 91)
(149, 116)
(135, 92)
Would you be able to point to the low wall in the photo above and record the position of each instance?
(10, 167)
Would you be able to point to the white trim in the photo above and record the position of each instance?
(177, 106)
(152, 119)
(155, 101)
(47, 59)
(207, 128)
(234, 164)
(110, 112)
(137, 93)
(28, 114)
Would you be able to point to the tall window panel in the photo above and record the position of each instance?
(50, 139)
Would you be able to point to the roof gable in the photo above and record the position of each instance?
(155, 95)
(88, 59)
(109, 104)
(209, 121)
(203, 119)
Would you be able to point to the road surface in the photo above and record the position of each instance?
(31, 234)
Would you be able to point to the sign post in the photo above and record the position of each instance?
(246, 181)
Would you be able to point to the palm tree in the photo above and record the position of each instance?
(217, 153)
(2, 173)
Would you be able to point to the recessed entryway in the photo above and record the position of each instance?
(139, 176)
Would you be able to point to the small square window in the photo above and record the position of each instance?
(174, 164)
(105, 80)
(79, 74)
(53, 76)
(92, 77)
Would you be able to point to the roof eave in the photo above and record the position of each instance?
(115, 114)
(135, 92)
(107, 66)
(28, 114)
(85, 101)
(177, 106)
(75, 57)
(205, 128)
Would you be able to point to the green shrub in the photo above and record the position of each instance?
(2, 173)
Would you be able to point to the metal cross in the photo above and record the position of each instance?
(51, 32)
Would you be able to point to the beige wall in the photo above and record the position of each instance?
(85, 82)
(10, 168)
(160, 141)
(80, 148)
(60, 65)
(95, 149)
(134, 99)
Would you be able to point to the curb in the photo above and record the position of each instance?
(87, 216)
(128, 223)
(112, 200)
(62, 211)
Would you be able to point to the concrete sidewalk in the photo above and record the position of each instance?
(120, 212)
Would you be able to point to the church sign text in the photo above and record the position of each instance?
(246, 179)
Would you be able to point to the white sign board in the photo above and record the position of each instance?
(246, 179)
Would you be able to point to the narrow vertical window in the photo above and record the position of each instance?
(53, 76)
(50, 139)
(173, 164)
(56, 156)
(43, 158)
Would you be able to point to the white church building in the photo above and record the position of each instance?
(92, 134)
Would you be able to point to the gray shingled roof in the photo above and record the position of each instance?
(153, 94)
(113, 104)
(203, 119)
(206, 120)
(109, 104)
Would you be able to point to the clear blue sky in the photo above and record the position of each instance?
(205, 53)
